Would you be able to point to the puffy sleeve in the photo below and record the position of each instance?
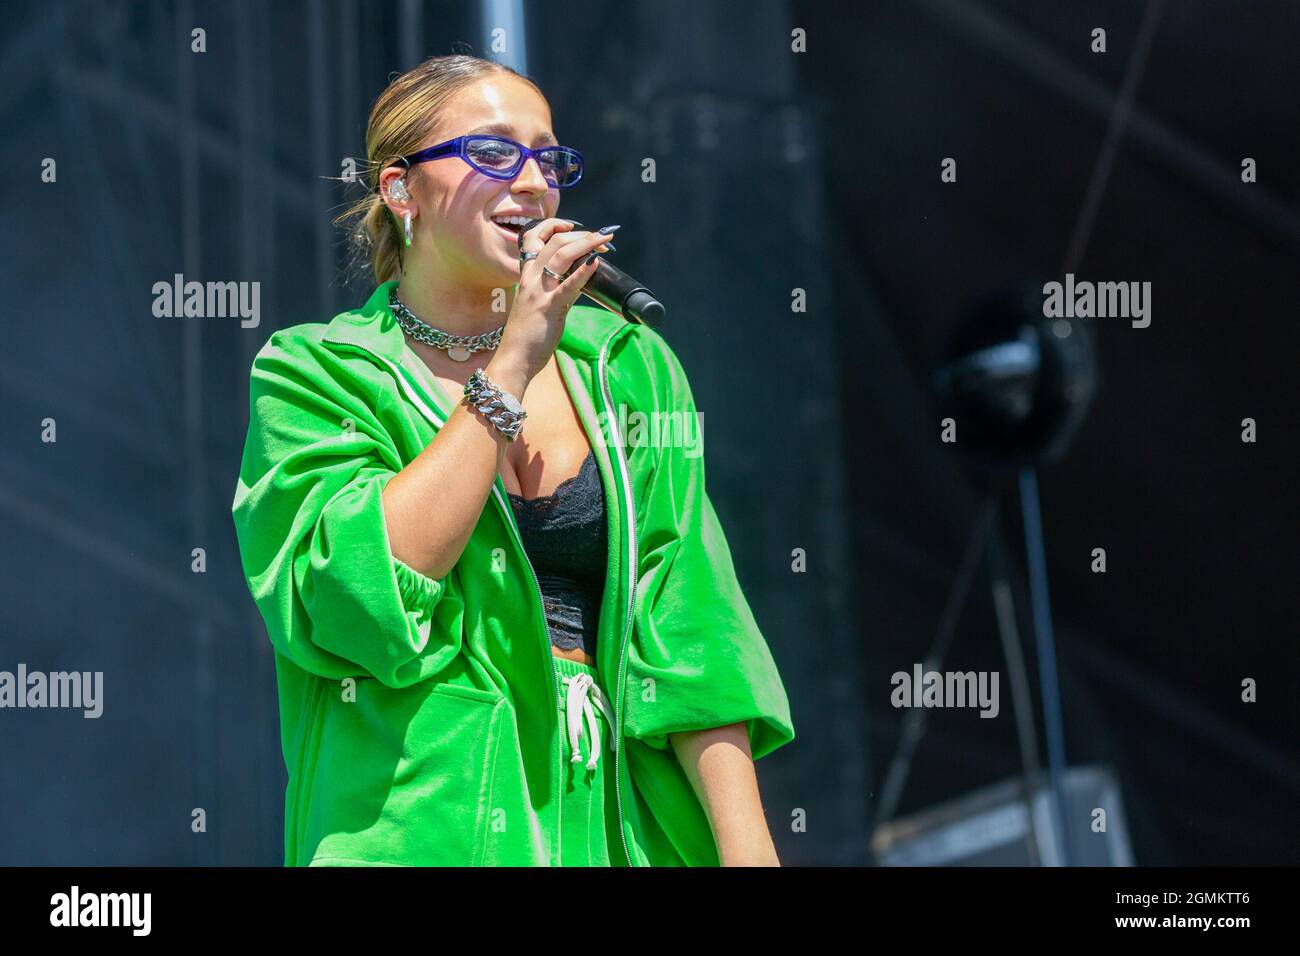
(697, 658)
(313, 541)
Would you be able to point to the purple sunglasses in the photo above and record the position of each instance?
(503, 158)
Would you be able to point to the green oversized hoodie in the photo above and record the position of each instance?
(418, 715)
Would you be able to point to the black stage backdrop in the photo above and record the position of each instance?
(781, 176)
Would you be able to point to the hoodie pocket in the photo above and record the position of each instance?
(402, 776)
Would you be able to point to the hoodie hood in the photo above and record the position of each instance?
(374, 328)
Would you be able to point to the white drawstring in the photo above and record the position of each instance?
(577, 705)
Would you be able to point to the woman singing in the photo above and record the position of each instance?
(507, 632)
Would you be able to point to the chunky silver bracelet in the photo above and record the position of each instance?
(498, 406)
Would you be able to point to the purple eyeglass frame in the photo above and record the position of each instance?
(459, 145)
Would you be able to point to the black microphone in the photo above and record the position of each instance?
(615, 290)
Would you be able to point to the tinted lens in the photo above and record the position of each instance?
(492, 155)
(561, 167)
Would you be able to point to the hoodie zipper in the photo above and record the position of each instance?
(630, 509)
(428, 409)
(555, 676)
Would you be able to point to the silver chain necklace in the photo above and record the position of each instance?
(458, 347)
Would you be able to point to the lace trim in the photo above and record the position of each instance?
(591, 457)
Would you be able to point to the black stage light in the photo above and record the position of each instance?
(1017, 384)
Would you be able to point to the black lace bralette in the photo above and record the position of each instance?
(564, 534)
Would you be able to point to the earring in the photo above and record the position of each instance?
(407, 219)
(397, 189)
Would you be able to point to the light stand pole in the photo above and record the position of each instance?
(1045, 644)
(1018, 386)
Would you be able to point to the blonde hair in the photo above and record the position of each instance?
(402, 118)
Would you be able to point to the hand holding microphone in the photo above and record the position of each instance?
(557, 264)
(613, 288)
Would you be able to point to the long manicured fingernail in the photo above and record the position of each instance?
(611, 247)
(608, 230)
(590, 259)
(573, 222)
